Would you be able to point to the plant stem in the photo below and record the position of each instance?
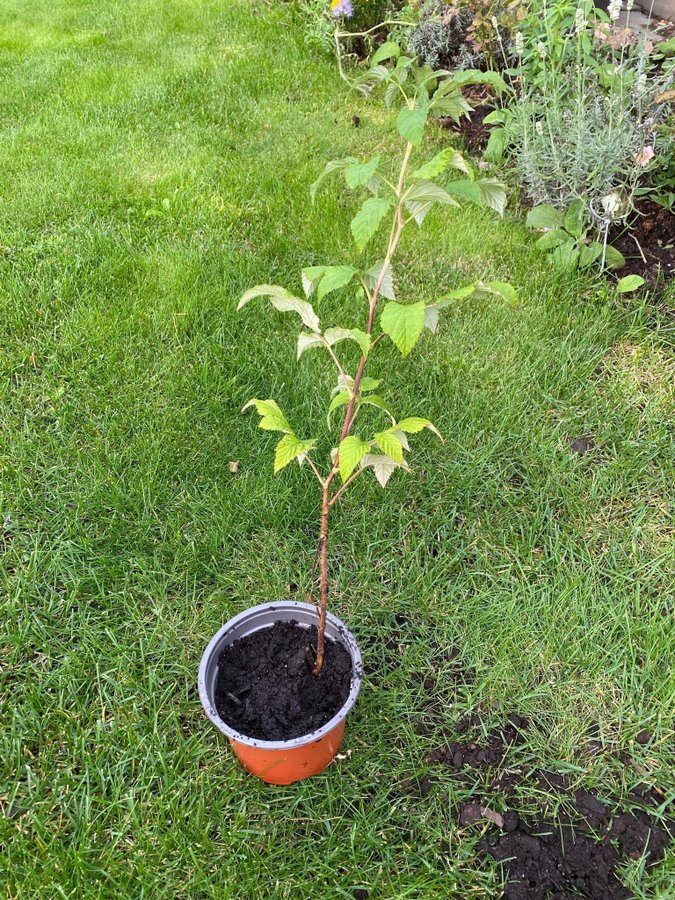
(323, 577)
(397, 227)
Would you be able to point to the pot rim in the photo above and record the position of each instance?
(216, 643)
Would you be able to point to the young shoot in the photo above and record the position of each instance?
(394, 204)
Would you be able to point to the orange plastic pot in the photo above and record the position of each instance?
(280, 762)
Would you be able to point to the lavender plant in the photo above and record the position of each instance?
(396, 202)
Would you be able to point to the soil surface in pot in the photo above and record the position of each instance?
(266, 688)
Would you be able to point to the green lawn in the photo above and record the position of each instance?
(156, 156)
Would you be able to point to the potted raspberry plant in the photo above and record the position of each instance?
(280, 678)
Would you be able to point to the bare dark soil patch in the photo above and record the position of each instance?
(265, 685)
(577, 852)
(647, 242)
(471, 129)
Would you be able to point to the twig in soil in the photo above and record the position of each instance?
(644, 258)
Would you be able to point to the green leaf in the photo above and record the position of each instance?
(341, 399)
(352, 450)
(403, 323)
(466, 190)
(359, 174)
(382, 466)
(629, 283)
(311, 276)
(411, 122)
(368, 219)
(475, 76)
(335, 165)
(372, 276)
(589, 254)
(575, 219)
(493, 193)
(333, 335)
(413, 424)
(369, 384)
(496, 117)
(446, 159)
(284, 301)
(496, 145)
(553, 239)
(565, 256)
(372, 77)
(544, 216)
(307, 341)
(334, 277)
(390, 445)
(421, 197)
(376, 400)
(452, 105)
(614, 259)
(388, 50)
(272, 418)
(290, 447)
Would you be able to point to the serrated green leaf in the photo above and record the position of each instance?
(446, 159)
(544, 216)
(388, 50)
(369, 384)
(453, 105)
(359, 174)
(410, 123)
(382, 466)
(301, 307)
(334, 277)
(403, 323)
(272, 418)
(493, 193)
(629, 283)
(476, 76)
(421, 197)
(369, 79)
(414, 424)
(377, 401)
(352, 450)
(333, 335)
(284, 301)
(307, 341)
(496, 145)
(335, 165)
(311, 276)
(465, 189)
(290, 447)
(368, 219)
(372, 276)
(496, 117)
(390, 445)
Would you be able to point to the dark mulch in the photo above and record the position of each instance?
(473, 132)
(647, 241)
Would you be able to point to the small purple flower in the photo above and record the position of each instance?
(342, 8)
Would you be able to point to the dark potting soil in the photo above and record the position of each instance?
(266, 688)
(648, 244)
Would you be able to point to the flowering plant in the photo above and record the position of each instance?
(583, 117)
(395, 202)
